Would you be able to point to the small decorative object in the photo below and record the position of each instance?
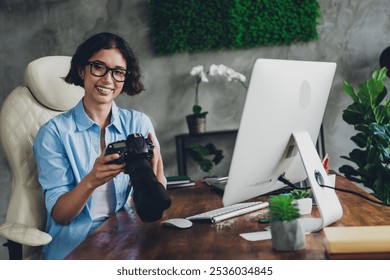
(370, 116)
(206, 156)
(303, 201)
(197, 120)
(287, 231)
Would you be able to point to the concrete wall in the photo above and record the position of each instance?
(352, 33)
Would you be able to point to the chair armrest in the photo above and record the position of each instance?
(24, 235)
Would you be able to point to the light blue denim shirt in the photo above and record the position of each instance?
(65, 150)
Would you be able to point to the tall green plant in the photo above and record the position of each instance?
(370, 115)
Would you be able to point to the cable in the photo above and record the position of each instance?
(286, 181)
(355, 193)
(291, 185)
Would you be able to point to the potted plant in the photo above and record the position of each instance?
(197, 120)
(370, 116)
(206, 156)
(303, 200)
(287, 231)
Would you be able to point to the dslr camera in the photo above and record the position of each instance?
(149, 196)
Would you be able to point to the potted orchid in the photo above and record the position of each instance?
(197, 120)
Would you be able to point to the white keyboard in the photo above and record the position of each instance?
(228, 212)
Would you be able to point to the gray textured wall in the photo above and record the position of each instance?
(352, 33)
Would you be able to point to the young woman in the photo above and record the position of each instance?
(81, 190)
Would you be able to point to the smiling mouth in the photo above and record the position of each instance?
(105, 90)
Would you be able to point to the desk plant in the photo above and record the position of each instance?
(303, 200)
(370, 116)
(287, 231)
(196, 121)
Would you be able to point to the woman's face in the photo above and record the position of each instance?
(103, 90)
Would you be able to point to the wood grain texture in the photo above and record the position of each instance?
(125, 236)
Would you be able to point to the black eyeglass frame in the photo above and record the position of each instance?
(92, 63)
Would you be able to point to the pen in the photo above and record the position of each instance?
(325, 162)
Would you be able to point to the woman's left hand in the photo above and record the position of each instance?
(157, 162)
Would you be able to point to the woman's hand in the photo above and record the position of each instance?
(157, 162)
(102, 172)
(70, 204)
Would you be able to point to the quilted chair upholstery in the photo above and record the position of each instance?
(44, 95)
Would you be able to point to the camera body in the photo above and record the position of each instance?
(133, 148)
(150, 196)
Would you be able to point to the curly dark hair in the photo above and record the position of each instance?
(105, 40)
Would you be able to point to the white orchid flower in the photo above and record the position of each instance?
(215, 70)
(197, 70)
(203, 77)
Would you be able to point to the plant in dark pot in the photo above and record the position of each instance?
(370, 116)
(288, 233)
(197, 120)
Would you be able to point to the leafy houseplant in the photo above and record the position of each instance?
(300, 194)
(303, 200)
(287, 231)
(196, 121)
(206, 156)
(370, 115)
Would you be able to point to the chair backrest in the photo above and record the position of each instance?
(44, 95)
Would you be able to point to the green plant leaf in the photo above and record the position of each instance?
(380, 113)
(348, 171)
(350, 91)
(196, 109)
(360, 140)
(354, 114)
(382, 131)
(380, 74)
(299, 194)
(282, 209)
(359, 157)
(381, 96)
(206, 156)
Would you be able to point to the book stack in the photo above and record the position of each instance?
(179, 182)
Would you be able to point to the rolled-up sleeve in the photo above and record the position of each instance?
(55, 173)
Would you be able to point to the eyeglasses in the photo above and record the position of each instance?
(99, 69)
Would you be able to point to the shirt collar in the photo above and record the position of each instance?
(83, 122)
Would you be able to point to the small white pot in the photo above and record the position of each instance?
(304, 205)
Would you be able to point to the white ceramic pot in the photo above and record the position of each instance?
(304, 205)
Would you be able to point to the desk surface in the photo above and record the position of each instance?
(125, 236)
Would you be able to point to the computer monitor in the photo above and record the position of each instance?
(281, 120)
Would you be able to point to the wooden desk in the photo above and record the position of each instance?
(124, 236)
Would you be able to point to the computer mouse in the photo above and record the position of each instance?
(177, 223)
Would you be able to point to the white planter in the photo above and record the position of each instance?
(304, 205)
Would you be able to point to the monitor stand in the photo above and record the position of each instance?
(327, 201)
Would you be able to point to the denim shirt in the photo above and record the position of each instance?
(65, 150)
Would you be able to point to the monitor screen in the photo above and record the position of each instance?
(284, 97)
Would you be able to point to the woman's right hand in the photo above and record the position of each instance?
(102, 172)
(70, 204)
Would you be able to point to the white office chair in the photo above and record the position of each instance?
(23, 112)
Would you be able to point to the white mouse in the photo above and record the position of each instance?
(177, 223)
